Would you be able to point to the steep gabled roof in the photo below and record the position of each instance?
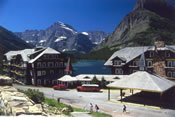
(127, 54)
(130, 53)
(46, 51)
(144, 81)
(27, 52)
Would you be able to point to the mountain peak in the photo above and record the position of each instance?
(149, 4)
(160, 7)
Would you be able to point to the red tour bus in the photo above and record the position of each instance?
(89, 87)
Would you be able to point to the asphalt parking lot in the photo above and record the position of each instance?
(82, 100)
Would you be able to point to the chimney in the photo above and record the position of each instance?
(159, 44)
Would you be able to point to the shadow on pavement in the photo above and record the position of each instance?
(151, 99)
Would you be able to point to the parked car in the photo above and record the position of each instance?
(88, 88)
(59, 87)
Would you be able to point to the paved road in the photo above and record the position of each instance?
(82, 100)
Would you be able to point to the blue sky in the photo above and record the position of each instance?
(83, 15)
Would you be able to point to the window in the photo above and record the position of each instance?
(57, 56)
(43, 64)
(38, 73)
(169, 63)
(51, 71)
(118, 71)
(38, 64)
(61, 64)
(117, 62)
(167, 54)
(173, 74)
(56, 64)
(169, 74)
(43, 73)
(39, 82)
(151, 54)
(50, 64)
(149, 63)
(135, 63)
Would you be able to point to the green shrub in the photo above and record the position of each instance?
(34, 95)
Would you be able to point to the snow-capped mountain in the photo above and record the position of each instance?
(96, 37)
(63, 37)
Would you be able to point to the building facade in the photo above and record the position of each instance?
(39, 66)
(159, 59)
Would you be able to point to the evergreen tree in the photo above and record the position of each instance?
(94, 80)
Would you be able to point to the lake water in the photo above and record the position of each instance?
(90, 67)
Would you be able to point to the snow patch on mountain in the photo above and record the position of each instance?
(60, 38)
(67, 28)
(42, 41)
(84, 33)
(29, 41)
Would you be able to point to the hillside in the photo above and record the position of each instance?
(149, 21)
(9, 41)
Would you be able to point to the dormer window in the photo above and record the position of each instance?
(117, 62)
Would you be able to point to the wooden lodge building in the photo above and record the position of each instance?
(158, 59)
(38, 66)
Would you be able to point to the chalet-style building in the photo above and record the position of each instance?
(159, 59)
(39, 66)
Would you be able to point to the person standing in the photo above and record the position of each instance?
(124, 108)
(91, 107)
(96, 108)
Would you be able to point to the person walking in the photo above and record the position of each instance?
(91, 107)
(96, 108)
(124, 108)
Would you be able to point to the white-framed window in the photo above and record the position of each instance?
(43, 73)
(118, 71)
(135, 63)
(38, 73)
(117, 62)
(169, 74)
(44, 64)
(50, 64)
(167, 54)
(169, 63)
(149, 63)
(151, 54)
(39, 64)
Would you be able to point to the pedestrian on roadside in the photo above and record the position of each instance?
(91, 107)
(124, 108)
(96, 108)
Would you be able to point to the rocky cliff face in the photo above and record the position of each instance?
(150, 20)
(62, 37)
